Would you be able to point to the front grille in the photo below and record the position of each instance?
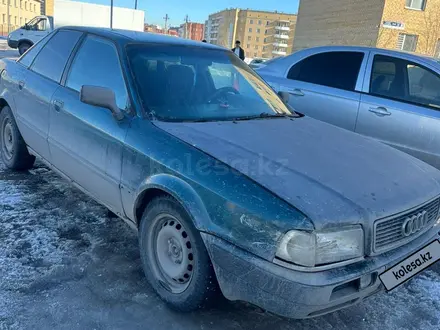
(388, 232)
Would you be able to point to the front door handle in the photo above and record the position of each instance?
(296, 92)
(21, 85)
(380, 111)
(58, 105)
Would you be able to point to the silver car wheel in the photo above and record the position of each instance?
(171, 253)
(8, 139)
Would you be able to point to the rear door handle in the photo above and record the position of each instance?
(58, 105)
(380, 111)
(21, 85)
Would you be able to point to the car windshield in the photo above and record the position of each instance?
(181, 83)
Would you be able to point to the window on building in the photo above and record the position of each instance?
(259, 22)
(21, 21)
(15, 3)
(257, 39)
(35, 8)
(258, 31)
(267, 22)
(342, 73)
(15, 20)
(249, 38)
(264, 48)
(256, 47)
(25, 5)
(4, 2)
(389, 77)
(265, 40)
(416, 4)
(266, 32)
(255, 54)
(250, 30)
(4, 18)
(248, 46)
(251, 21)
(51, 60)
(407, 42)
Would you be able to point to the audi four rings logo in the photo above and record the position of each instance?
(415, 223)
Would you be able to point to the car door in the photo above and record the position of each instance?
(85, 141)
(401, 105)
(42, 69)
(326, 86)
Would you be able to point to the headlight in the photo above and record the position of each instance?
(311, 249)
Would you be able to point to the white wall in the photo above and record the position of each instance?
(86, 14)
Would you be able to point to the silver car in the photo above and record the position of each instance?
(388, 95)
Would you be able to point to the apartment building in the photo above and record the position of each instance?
(20, 12)
(262, 34)
(409, 25)
(193, 31)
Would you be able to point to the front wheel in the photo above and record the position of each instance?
(23, 47)
(13, 149)
(174, 257)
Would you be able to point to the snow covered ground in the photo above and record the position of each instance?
(65, 264)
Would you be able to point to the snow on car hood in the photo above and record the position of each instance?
(332, 175)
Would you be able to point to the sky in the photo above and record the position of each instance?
(197, 10)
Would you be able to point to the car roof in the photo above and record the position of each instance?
(391, 52)
(284, 63)
(128, 36)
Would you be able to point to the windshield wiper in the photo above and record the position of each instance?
(265, 115)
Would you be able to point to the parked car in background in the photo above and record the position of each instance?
(228, 188)
(67, 12)
(257, 62)
(391, 96)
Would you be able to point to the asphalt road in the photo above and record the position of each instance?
(65, 264)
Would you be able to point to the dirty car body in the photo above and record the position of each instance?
(256, 181)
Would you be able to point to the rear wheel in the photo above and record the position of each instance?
(13, 149)
(174, 256)
(23, 47)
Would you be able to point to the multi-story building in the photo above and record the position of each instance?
(261, 33)
(409, 25)
(193, 31)
(20, 12)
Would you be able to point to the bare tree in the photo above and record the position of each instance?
(431, 34)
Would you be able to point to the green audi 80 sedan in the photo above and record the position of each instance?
(231, 191)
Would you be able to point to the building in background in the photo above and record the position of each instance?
(20, 12)
(47, 7)
(262, 34)
(152, 28)
(193, 31)
(409, 25)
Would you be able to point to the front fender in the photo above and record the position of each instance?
(7, 98)
(181, 191)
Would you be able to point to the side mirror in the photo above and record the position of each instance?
(101, 97)
(284, 96)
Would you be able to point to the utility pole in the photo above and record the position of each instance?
(111, 14)
(186, 26)
(166, 18)
(135, 4)
(7, 13)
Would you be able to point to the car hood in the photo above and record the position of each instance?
(332, 175)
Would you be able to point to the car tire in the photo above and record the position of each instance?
(174, 257)
(13, 150)
(23, 47)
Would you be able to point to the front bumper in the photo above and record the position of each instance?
(295, 294)
(13, 43)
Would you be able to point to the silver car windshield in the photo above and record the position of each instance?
(181, 83)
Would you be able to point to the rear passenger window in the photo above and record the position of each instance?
(332, 69)
(52, 59)
(405, 81)
(27, 58)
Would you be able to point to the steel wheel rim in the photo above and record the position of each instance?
(7, 139)
(172, 254)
